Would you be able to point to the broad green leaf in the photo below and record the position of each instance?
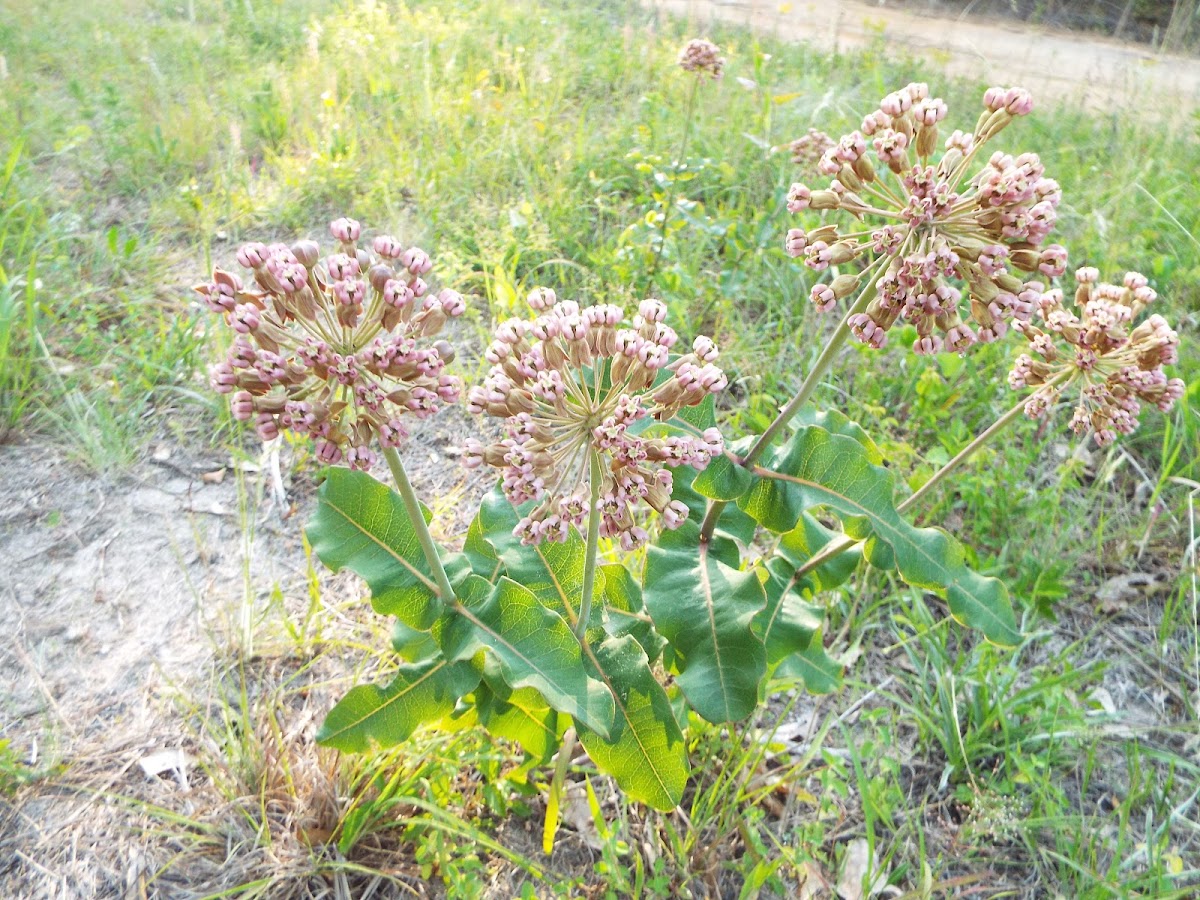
(522, 716)
(817, 468)
(534, 646)
(552, 571)
(733, 521)
(413, 646)
(722, 479)
(820, 674)
(480, 553)
(788, 622)
(361, 525)
(836, 422)
(704, 606)
(645, 751)
(626, 612)
(370, 715)
(809, 537)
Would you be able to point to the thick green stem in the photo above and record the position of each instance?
(670, 201)
(413, 507)
(593, 546)
(820, 367)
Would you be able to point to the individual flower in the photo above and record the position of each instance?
(334, 348)
(808, 149)
(576, 389)
(953, 232)
(1090, 342)
(701, 56)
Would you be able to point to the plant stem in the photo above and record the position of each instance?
(667, 206)
(593, 546)
(413, 507)
(820, 367)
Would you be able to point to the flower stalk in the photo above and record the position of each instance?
(413, 507)
(803, 394)
(591, 551)
(669, 201)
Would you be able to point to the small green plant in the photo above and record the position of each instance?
(631, 571)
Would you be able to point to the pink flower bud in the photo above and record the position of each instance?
(307, 253)
(387, 246)
(242, 406)
(1018, 101)
(452, 303)
(252, 255)
(797, 242)
(1053, 261)
(416, 261)
(341, 266)
(652, 310)
(705, 349)
(798, 198)
(345, 230)
(328, 452)
(266, 426)
(542, 298)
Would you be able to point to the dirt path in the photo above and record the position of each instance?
(1097, 73)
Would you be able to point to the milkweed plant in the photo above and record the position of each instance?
(617, 577)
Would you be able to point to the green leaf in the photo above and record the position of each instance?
(812, 665)
(370, 715)
(552, 571)
(788, 622)
(839, 423)
(645, 751)
(522, 716)
(722, 479)
(413, 646)
(809, 537)
(534, 646)
(790, 628)
(733, 521)
(480, 552)
(703, 607)
(817, 468)
(361, 525)
(625, 610)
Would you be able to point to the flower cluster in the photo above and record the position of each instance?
(1118, 365)
(576, 390)
(945, 234)
(701, 56)
(808, 149)
(333, 348)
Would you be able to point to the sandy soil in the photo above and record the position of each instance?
(124, 602)
(1099, 74)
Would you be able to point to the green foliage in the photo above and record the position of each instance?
(362, 525)
(818, 468)
(703, 605)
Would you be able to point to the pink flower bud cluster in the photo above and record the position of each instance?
(1091, 340)
(577, 388)
(334, 348)
(951, 249)
(808, 149)
(701, 56)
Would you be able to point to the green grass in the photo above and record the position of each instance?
(534, 143)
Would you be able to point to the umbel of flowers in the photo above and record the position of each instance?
(950, 230)
(576, 388)
(336, 348)
(1089, 342)
(702, 58)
